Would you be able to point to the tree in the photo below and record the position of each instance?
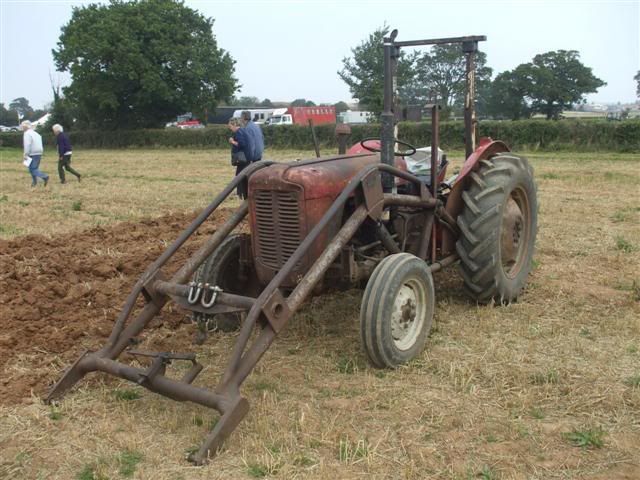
(22, 107)
(507, 96)
(141, 63)
(245, 102)
(637, 79)
(302, 102)
(440, 75)
(364, 71)
(556, 80)
(341, 107)
(8, 117)
(266, 103)
(62, 111)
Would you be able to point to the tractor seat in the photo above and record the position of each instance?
(419, 164)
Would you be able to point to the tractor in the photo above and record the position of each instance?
(358, 218)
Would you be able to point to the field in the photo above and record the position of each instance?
(545, 388)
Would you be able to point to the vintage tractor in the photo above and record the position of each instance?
(321, 223)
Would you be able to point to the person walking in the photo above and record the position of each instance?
(64, 152)
(32, 142)
(255, 134)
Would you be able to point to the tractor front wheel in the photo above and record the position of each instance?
(498, 229)
(397, 310)
(224, 270)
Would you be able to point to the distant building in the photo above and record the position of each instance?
(42, 120)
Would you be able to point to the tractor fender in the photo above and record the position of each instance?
(487, 148)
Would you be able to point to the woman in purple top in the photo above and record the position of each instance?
(64, 152)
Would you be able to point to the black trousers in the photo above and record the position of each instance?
(64, 163)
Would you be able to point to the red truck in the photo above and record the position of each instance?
(301, 115)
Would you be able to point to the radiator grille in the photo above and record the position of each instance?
(278, 223)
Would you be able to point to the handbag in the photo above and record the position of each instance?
(239, 159)
(27, 161)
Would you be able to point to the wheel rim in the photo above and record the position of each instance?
(515, 232)
(409, 314)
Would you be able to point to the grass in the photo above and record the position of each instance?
(550, 176)
(353, 451)
(55, 414)
(633, 381)
(117, 185)
(550, 377)
(498, 392)
(586, 438)
(348, 365)
(487, 473)
(256, 470)
(624, 245)
(89, 473)
(128, 461)
(127, 395)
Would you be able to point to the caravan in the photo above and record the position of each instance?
(258, 115)
(354, 118)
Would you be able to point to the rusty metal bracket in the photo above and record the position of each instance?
(373, 194)
(158, 366)
(160, 362)
(276, 310)
(150, 293)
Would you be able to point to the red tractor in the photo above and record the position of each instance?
(321, 223)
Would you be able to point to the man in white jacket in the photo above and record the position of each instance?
(33, 150)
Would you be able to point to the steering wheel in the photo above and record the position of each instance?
(410, 152)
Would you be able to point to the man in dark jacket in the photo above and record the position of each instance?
(64, 153)
(255, 136)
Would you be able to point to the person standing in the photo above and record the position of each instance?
(240, 145)
(255, 135)
(32, 142)
(64, 152)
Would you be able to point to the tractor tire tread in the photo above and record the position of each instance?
(480, 226)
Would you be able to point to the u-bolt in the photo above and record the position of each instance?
(215, 290)
(194, 292)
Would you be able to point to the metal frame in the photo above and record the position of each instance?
(391, 54)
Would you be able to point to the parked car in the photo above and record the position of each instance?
(189, 124)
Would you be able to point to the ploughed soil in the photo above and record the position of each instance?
(61, 295)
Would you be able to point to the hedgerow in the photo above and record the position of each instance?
(519, 135)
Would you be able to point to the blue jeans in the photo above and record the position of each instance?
(33, 170)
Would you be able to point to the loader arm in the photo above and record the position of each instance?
(270, 312)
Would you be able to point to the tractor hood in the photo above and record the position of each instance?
(317, 178)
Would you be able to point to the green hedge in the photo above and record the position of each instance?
(525, 134)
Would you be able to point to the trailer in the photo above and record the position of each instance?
(302, 115)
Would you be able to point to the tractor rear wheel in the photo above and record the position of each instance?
(224, 270)
(498, 229)
(397, 310)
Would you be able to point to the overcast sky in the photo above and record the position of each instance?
(293, 49)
